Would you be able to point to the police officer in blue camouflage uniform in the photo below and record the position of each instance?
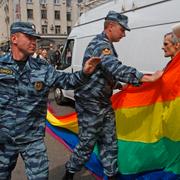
(24, 86)
(93, 105)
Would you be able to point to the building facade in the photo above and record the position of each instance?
(53, 19)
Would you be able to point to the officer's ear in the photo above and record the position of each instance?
(14, 38)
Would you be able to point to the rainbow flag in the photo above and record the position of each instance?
(148, 129)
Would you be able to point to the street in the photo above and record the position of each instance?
(57, 152)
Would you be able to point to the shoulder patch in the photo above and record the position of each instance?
(106, 51)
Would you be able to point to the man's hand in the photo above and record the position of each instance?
(151, 78)
(91, 64)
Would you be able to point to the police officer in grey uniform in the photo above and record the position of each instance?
(24, 86)
(93, 105)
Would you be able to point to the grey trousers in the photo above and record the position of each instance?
(34, 156)
(96, 128)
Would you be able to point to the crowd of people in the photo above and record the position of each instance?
(51, 54)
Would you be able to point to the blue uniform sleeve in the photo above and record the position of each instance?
(112, 66)
(121, 72)
(65, 80)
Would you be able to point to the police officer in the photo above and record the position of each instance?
(24, 86)
(93, 105)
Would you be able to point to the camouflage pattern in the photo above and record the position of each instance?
(34, 155)
(24, 27)
(93, 105)
(111, 72)
(119, 18)
(23, 100)
(95, 128)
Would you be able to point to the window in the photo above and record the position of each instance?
(67, 54)
(68, 16)
(44, 14)
(58, 29)
(56, 1)
(29, 1)
(30, 13)
(68, 2)
(57, 15)
(44, 29)
(43, 1)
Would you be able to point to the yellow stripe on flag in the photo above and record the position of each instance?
(150, 123)
(71, 124)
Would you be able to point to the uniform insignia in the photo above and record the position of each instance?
(6, 71)
(106, 51)
(38, 86)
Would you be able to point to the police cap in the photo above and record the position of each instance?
(24, 27)
(119, 18)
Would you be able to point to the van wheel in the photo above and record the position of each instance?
(58, 96)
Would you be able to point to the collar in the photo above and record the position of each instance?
(32, 63)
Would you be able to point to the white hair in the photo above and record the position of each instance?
(176, 31)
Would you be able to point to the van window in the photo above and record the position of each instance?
(66, 58)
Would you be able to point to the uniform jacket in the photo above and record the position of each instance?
(97, 91)
(24, 94)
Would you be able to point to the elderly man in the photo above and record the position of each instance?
(93, 105)
(24, 86)
(171, 44)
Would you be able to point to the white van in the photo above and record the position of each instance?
(149, 20)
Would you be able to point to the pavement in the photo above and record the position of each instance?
(57, 153)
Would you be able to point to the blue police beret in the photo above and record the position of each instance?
(119, 18)
(24, 27)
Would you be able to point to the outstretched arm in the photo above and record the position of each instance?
(153, 77)
(71, 80)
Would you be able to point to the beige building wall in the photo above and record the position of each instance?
(4, 22)
(16, 10)
(75, 12)
(63, 12)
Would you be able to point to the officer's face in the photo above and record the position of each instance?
(117, 32)
(24, 43)
(170, 49)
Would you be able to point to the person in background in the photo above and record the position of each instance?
(24, 86)
(37, 53)
(51, 55)
(176, 30)
(44, 55)
(96, 118)
(57, 56)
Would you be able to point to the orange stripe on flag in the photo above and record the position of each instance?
(165, 89)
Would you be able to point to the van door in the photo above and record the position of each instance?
(66, 57)
(61, 95)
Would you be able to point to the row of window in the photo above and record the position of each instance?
(57, 29)
(44, 14)
(56, 2)
(43, 1)
(45, 29)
